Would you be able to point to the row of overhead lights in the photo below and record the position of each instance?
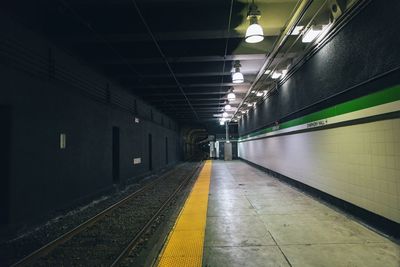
(237, 78)
(309, 35)
(274, 75)
(254, 34)
(227, 107)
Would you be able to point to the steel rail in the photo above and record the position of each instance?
(46, 249)
(135, 240)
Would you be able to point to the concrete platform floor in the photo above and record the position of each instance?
(256, 220)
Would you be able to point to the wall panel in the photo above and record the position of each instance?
(357, 163)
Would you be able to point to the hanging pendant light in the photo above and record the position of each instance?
(231, 96)
(237, 76)
(254, 33)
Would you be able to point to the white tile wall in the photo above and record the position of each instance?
(359, 163)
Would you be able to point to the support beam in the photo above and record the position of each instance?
(187, 93)
(251, 73)
(198, 85)
(219, 99)
(172, 60)
(270, 35)
(163, 106)
(203, 109)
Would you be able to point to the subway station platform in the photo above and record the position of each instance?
(253, 219)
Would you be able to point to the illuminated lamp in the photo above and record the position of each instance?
(254, 33)
(237, 76)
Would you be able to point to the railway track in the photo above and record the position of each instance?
(108, 237)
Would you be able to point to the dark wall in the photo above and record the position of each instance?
(365, 48)
(51, 93)
(5, 140)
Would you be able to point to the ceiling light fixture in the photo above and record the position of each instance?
(254, 33)
(276, 75)
(231, 95)
(237, 76)
(267, 72)
(228, 107)
(259, 94)
(297, 30)
(311, 34)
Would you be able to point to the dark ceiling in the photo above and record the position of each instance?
(175, 54)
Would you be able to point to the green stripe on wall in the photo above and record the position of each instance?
(382, 97)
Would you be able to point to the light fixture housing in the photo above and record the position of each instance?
(231, 96)
(311, 33)
(237, 76)
(228, 107)
(222, 121)
(254, 33)
(297, 30)
(276, 75)
(259, 94)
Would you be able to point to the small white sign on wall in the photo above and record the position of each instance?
(137, 161)
(63, 141)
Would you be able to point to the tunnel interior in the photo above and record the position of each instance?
(99, 96)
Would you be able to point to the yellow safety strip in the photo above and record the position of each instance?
(184, 246)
